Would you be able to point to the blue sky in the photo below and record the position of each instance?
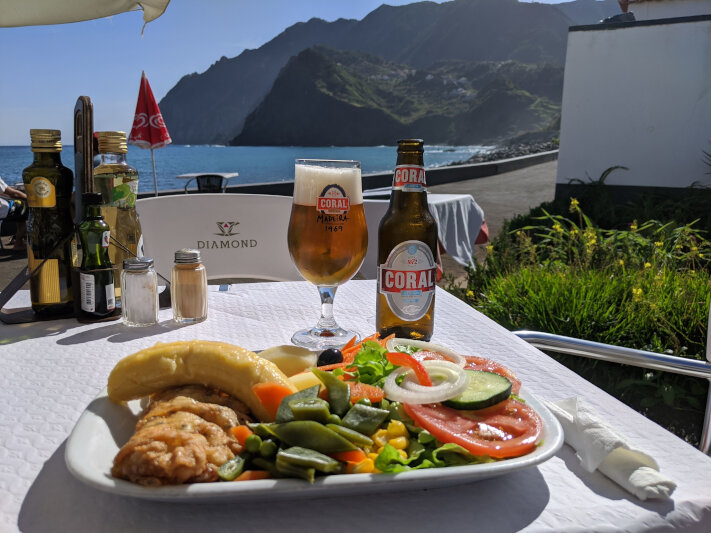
(45, 68)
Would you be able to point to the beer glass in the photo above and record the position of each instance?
(327, 239)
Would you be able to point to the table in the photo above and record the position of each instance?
(460, 222)
(50, 372)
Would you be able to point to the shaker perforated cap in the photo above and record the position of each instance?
(187, 255)
(137, 264)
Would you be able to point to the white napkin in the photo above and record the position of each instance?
(599, 447)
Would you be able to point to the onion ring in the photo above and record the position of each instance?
(455, 382)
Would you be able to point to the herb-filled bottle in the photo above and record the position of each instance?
(50, 228)
(117, 182)
(96, 276)
(188, 287)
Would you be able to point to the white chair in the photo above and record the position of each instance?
(238, 235)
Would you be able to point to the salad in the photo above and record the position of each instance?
(385, 406)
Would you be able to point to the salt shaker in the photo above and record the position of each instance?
(139, 292)
(188, 287)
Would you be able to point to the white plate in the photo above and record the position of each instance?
(105, 426)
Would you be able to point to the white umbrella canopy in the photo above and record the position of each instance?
(40, 12)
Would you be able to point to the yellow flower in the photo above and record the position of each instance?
(658, 244)
(574, 205)
(490, 248)
(648, 265)
(621, 262)
(557, 228)
(470, 294)
(636, 294)
(701, 256)
(633, 226)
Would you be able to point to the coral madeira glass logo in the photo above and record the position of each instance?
(333, 200)
(227, 229)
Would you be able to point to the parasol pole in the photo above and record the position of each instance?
(155, 181)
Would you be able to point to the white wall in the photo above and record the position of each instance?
(659, 9)
(638, 97)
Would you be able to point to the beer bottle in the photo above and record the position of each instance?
(50, 228)
(96, 276)
(407, 248)
(117, 182)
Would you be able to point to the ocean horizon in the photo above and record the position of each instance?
(255, 164)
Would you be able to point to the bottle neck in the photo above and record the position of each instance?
(113, 158)
(47, 158)
(93, 211)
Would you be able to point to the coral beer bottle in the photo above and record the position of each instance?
(407, 248)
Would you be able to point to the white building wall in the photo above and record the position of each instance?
(659, 9)
(639, 97)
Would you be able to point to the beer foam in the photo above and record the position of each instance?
(311, 180)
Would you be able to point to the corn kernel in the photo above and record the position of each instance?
(397, 429)
(373, 456)
(399, 443)
(366, 466)
(380, 437)
(402, 453)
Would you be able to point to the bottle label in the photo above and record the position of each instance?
(408, 279)
(410, 178)
(110, 297)
(105, 238)
(117, 190)
(41, 193)
(87, 285)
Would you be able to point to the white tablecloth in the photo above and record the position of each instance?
(50, 372)
(459, 220)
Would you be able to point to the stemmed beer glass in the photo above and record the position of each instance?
(327, 239)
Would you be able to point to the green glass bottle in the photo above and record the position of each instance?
(96, 276)
(49, 184)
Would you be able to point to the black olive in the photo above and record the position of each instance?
(330, 356)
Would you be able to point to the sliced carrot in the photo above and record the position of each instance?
(250, 475)
(241, 433)
(363, 390)
(353, 456)
(271, 394)
(350, 343)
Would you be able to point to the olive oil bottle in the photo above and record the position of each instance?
(117, 182)
(48, 185)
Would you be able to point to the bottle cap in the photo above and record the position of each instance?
(91, 198)
(410, 145)
(46, 140)
(113, 142)
(137, 264)
(187, 255)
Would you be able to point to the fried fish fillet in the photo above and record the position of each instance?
(183, 437)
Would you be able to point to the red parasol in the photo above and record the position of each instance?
(148, 129)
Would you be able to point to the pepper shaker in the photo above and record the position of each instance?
(188, 287)
(139, 292)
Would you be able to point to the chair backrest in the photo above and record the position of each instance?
(238, 235)
(211, 183)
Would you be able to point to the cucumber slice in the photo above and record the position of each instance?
(484, 390)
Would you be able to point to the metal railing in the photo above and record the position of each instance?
(628, 356)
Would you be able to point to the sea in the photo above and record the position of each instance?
(255, 164)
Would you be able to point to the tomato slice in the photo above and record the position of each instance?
(481, 363)
(508, 429)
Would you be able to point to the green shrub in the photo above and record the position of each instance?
(645, 287)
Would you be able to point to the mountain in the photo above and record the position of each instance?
(589, 11)
(211, 107)
(332, 97)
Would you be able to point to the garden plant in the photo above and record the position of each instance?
(645, 286)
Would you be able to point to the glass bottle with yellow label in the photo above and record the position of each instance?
(117, 181)
(48, 185)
